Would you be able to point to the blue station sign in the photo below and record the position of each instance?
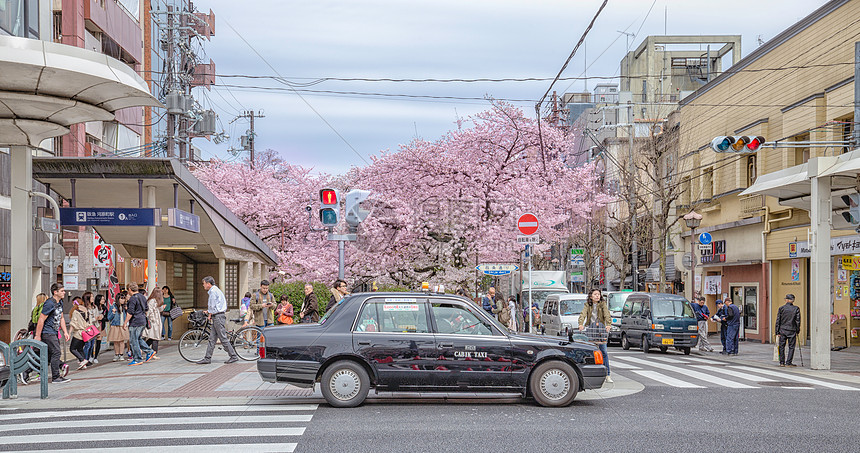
(187, 221)
(110, 216)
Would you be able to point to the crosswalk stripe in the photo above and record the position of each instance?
(162, 410)
(256, 448)
(693, 374)
(126, 422)
(701, 360)
(622, 365)
(669, 360)
(797, 378)
(659, 377)
(177, 434)
(737, 374)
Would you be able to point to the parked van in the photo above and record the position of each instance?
(615, 302)
(560, 314)
(658, 320)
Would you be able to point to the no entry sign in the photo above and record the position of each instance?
(527, 224)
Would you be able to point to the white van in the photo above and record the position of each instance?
(560, 314)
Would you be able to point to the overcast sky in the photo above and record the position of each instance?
(307, 40)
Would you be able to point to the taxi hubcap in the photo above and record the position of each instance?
(344, 384)
(554, 384)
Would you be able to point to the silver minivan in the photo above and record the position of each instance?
(560, 314)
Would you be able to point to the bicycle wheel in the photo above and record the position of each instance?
(247, 341)
(192, 345)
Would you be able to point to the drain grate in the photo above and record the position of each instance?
(785, 384)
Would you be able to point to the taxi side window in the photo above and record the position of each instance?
(393, 317)
(546, 306)
(454, 319)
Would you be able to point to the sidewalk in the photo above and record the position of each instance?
(169, 380)
(844, 362)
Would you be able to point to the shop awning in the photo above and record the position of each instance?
(792, 186)
(652, 274)
(114, 182)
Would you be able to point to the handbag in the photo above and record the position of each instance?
(89, 333)
(285, 319)
(175, 312)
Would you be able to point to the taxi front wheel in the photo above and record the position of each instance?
(554, 384)
(345, 384)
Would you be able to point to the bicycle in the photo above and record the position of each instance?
(192, 346)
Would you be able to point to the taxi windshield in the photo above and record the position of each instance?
(671, 307)
(571, 306)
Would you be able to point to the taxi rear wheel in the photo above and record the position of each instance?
(554, 384)
(345, 384)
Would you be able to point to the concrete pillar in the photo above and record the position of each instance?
(21, 236)
(222, 273)
(150, 244)
(244, 277)
(819, 262)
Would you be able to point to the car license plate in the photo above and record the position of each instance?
(668, 341)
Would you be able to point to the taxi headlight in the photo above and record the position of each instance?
(614, 328)
(692, 327)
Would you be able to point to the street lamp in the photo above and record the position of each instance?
(693, 219)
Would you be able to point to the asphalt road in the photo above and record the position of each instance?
(656, 419)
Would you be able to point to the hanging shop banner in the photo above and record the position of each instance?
(102, 252)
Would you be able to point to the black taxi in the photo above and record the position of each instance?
(424, 341)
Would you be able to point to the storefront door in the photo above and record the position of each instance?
(745, 296)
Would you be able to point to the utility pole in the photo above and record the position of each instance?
(632, 204)
(247, 141)
(171, 118)
(251, 141)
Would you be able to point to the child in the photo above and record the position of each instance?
(245, 310)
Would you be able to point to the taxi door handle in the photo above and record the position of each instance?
(364, 343)
(446, 345)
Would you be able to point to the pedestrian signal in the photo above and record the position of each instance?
(329, 208)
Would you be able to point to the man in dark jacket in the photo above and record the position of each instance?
(488, 301)
(733, 326)
(787, 327)
(719, 317)
(310, 306)
(136, 322)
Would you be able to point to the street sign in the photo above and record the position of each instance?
(578, 262)
(792, 249)
(687, 261)
(527, 224)
(45, 254)
(49, 225)
(110, 216)
(187, 221)
(706, 249)
(577, 252)
(577, 277)
(533, 239)
(705, 238)
(497, 268)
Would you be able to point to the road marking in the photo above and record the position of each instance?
(708, 361)
(669, 360)
(267, 447)
(196, 420)
(796, 378)
(622, 365)
(737, 374)
(149, 435)
(693, 374)
(659, 377)
(161, 410)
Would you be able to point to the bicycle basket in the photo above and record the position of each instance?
(197, 318)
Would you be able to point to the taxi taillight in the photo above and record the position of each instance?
(262, 348)
(598, 358)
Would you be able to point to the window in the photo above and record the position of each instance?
(455, 319)
(669, 307)
(801, 155)
(848, 134)
(616, 301)
(20, 18)
(707, 184)
(685, 191)
(637, 308)
(402, 317)
(571, 306)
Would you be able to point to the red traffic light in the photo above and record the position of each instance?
(328, 197)
(755, 143)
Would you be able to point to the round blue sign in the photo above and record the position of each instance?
(705, 238)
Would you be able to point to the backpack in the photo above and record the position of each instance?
(37, 310)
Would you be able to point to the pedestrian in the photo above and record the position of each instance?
(310, 306)
(501, 310)
(34, 314)
(284, 311)
(77, 324)
(263, 306)
(118, 333)
(719, 317)
(51, 327)
(216, 311)
(535, 327)
(733, 326)
(136, 322)
(338, 292)
(512, 309)
(100, 304)
(166, 320)
(487, 300)
(700, 308)
(596, 318)
(154, 307)
(787, 327)
(245, 310)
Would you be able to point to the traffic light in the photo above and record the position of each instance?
(852, 216)
(352, 206)
(329, 207)
(737, 144)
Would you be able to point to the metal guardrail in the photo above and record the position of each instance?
(22, 356)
